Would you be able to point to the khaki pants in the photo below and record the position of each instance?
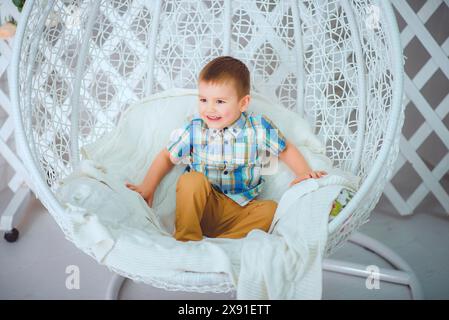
(202, 210)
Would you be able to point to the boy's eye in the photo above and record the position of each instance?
(202, 100)
(220, 101)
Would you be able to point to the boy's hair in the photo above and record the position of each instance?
(224, 69)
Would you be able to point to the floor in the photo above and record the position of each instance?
(37, 266)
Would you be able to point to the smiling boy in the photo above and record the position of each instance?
(224, 148)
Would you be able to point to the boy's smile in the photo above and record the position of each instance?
(213, 118)
(219, 104)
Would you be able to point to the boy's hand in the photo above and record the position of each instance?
(308, 175)
(146, 195)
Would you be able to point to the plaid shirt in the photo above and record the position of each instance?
(233, 158)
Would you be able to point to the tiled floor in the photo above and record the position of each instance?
(35, 266)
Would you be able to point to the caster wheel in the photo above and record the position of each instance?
(11, 236)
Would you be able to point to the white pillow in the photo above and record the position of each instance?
(145, 128)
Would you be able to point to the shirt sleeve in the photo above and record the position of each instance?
(179, 145)
(274, 139)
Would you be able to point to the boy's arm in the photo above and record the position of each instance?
(159, 168)
(296, 162)
(294, 159)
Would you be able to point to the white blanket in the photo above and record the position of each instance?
(116, 226)
(287, 263)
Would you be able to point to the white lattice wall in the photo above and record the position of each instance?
(6, 125)
(421, 180)
(13, 177)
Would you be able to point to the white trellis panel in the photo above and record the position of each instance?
(9, 161)
(417, 21)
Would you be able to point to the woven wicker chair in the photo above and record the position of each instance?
(77, 65)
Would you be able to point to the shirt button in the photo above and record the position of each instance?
(225, 172)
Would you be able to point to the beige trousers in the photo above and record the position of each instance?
(202, 210)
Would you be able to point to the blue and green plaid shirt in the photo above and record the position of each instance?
(233, 158)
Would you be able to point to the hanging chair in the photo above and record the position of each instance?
(78, 65)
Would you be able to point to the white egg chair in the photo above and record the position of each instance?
(78, 64)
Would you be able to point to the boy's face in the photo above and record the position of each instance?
(219, 105)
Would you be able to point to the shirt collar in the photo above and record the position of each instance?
(235, 128)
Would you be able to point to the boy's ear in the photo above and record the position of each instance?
(244, 102)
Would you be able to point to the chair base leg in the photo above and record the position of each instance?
(404, 275)
(114, 287)
(13, 213)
